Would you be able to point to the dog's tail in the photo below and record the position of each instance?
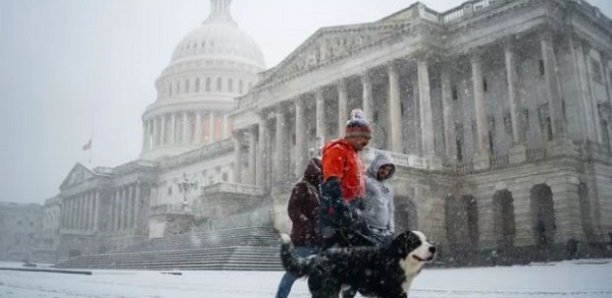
(293, 264)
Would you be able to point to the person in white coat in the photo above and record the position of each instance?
(378, 207)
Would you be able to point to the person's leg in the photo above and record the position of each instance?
(284, 287)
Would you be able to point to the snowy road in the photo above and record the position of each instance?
(582, 278)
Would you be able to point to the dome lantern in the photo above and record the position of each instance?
(219, 11)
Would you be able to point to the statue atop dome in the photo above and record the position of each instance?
(219, 11)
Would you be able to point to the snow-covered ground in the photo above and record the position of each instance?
(579, 278)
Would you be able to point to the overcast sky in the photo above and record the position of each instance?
(69, 65)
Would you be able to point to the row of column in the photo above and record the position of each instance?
(184, 128)
(80, 212)
(423, 101)
(127, 207)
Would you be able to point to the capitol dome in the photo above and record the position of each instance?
(209, 67)
(219, 37)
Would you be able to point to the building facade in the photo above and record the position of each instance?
(496, 113)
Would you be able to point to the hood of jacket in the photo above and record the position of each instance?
(313, 173)
(380, 159)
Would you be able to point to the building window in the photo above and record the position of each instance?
(207, 84)
(491, 122)
(459, 140)
(230, 85)
(178, 87)
(526, 119)
(545, 123)
(596, 67)
(240, 86)
(508, 123)
(197, 85)
(224, 177)
(541, 67)
(485, 86)
(605, 134)
(454, 92)
(186, 85)
(170, 89)
(219, 84)
(169, 190)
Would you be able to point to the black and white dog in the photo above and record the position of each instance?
(385, 272)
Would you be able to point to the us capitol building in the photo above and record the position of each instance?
(497, 114)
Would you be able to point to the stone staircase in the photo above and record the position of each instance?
(244, 249)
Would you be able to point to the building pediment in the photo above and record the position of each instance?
(77, 175)
(332, 44)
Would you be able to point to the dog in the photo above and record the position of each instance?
(385, 272)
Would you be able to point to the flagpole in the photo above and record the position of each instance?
(91, 135)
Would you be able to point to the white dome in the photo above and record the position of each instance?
(210, 67)
(219, 37)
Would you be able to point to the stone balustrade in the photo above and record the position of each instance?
(169, 209)
(234, 188)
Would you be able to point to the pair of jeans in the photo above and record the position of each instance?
(284, 288)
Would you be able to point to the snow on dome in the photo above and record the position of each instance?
(219, 37)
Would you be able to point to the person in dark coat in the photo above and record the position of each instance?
(303, 209)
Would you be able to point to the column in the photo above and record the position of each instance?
(198, 128)
(211, 127)
(279, 159)
(518, 135)
(129, 206)
(80, 211)
(584, 87)
(121, 199)
(88, 216)
(117, 208)
(320, 115)
(263, 153)
(449, 117)
(427, 134)
(96, 210)
(479, 104)
(237, 157)
(162, 140)
(111, 211)
(300, 137)
(552, 86)
(225, 132)
(145, 126)
(173, 129)
(138, 207)
(186, 126)
(252, 157)
(155, 132)
(395, 110)
(368, 109)
(342, 106)
(415, 120)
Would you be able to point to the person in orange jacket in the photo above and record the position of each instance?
(344, 185)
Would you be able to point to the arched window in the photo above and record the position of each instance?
(197, 85)
(219, 84)
(230, 85)
(207, 84)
